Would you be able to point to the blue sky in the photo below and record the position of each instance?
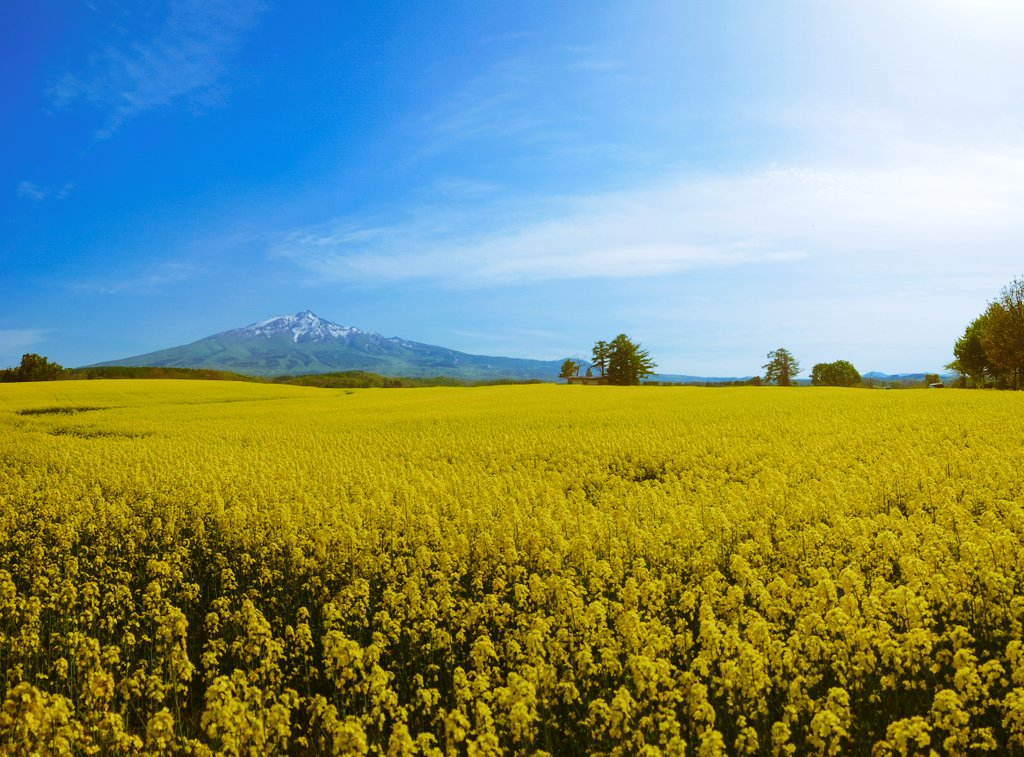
(715, 179)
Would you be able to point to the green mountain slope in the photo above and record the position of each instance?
(305, 343)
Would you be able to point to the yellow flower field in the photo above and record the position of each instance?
(216, 567)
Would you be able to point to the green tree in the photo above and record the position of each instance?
(970, 358)
(839, 373)
(600, 356)
(781, 367)
(569, 368)
(628, 364)
(1003, 335)
(991, 350)
(33, 368)
(932, 378)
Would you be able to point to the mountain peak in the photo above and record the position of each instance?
(305, 343)
(304, 326)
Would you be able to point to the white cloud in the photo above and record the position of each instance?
(929, 212)
(168, 273)
(862, 78)
(13, 342)
(845, 178)
(183, 60)
(541, 100)
(36, 193)
(30, 191)
(460, 189)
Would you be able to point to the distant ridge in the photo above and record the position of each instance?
(305, 343)
(676, 378)
(878, 376)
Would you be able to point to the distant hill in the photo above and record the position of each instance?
(304, 343)
(677, 378)
(874, 376)
(905, 378)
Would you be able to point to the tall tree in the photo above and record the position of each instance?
(970, 358)
(569, 368)
(628, 364)
(600, 356)
(1003, 336)
(991, 350)
(781, 367)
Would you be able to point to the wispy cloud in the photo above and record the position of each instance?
(13, 341)
(597, 65)
(160, 276)
(461, 189)
(493, 105)
(926, 213)
(183, 59)
(591, 59)
(507, 37)
(606, 237)
(534, 99)
(30, 191)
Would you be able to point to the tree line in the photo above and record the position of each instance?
(38, 368)
(623, 362)
(991, 351)
(782, 368)
(989, 354)
(620, 362)
(33, 368)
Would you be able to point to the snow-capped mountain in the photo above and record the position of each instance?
(305, 326)
(305, 343)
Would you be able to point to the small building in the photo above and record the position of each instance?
(936, 385)
(588, 380)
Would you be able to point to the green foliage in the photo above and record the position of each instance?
(152, 372)
(628, 364)
(1003, 337)
(569, 368)
(600, 356)
(33, 368)
(367, 380)
(752, 381)
(839, 373)
(338, 380)
(781, 367)
(969, 353)
(991, 350)
(359, 380)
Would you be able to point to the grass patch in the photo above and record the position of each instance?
(57, 410)
(96, 433)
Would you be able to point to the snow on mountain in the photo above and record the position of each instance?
(306, 326)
